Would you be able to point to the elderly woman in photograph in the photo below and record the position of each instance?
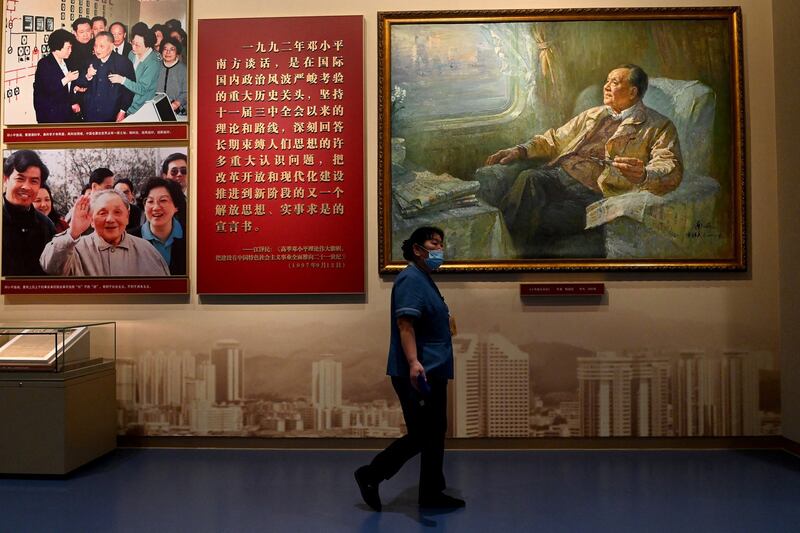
(172, 78)
(146, 66)
(164, 208)
(108, 251)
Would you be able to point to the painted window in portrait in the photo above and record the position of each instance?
(428, 60)
(570, 139)
(69, 65)
(95, 220)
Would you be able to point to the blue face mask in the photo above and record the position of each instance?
(435, 259)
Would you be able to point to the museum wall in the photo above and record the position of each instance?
(289, 349)
(787, 74)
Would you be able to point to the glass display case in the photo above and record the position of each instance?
(56, 347)
(58, 393)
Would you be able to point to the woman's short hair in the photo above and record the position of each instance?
(419, 237)
(174, 42)
(147, 35)
(173, 188)
(59, 38)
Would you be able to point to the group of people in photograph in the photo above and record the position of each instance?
(105, 73)
(112, 229)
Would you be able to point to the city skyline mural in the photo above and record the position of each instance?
(503, 387)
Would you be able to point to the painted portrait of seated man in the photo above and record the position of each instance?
(618, 147)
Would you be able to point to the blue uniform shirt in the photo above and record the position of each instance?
(415, 295)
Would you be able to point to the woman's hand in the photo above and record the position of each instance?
(116, 78)
(71, 76)
(408, 341)
(415, 370)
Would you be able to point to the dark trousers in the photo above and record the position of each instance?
(426, 422)
(546, 205)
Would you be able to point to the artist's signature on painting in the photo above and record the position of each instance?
(704, 230)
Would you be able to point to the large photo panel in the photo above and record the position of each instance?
(78, 62)
(95, 220)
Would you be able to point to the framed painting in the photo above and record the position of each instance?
(569, 139)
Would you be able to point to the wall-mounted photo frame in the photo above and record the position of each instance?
(99, 75)
(568, 139)
(96, 220)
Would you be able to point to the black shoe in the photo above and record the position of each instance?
(441, 501)
(369, 489)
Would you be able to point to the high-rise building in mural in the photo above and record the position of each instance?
(228, 359)
(718, 395)
(507, 388)
(467, 409)
(492, 388)
(126, 383)
(151, 379)
(622, 396)
(686, 384)
(326, 394)
(752, 365)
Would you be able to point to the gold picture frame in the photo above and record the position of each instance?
(456, 87)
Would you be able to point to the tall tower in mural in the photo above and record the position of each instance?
(718, 395)
(326, 390)
(624, 395)
(507, 388)
(752, 365)
(468, 412)
(686, 385)
(126, 383)
(492, 388)
(227, 357)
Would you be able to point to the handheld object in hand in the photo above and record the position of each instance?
(422, 383)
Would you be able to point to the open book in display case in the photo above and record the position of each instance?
(55, 347)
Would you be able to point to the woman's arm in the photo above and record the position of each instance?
(408, 340)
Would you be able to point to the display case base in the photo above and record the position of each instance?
(54, 423)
